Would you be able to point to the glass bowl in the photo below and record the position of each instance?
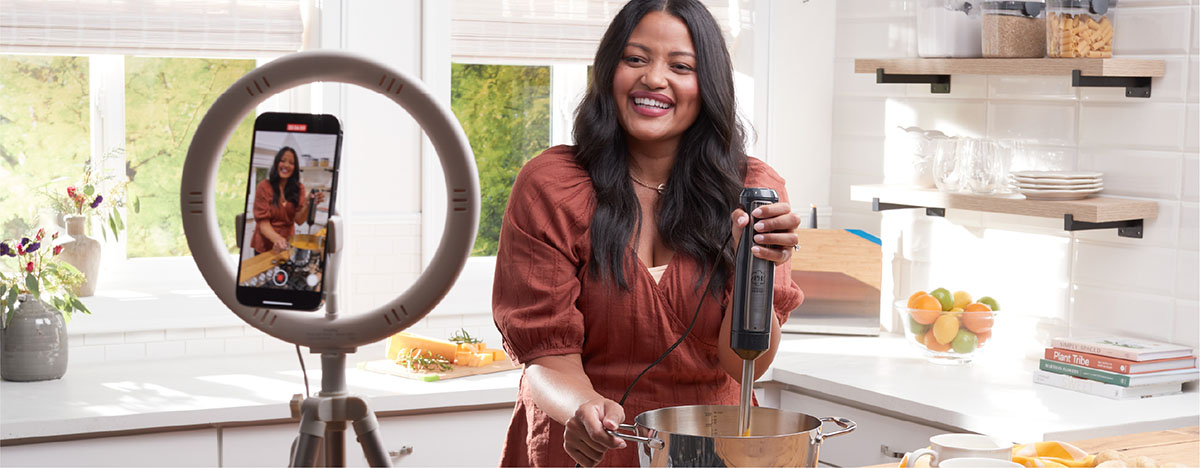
(946, 337)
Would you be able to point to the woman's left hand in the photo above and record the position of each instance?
(775, 231)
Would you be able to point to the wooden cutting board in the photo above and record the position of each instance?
(252, 266)
(384, 366)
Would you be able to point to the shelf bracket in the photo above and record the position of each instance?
(877, 205)
(1135, 86)
(1126, 228)
(938, 84)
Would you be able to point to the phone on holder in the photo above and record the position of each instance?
(290, 195)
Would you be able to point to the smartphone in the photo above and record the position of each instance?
(290, 193)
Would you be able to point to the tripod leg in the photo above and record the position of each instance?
(335, 444)
(371, 439)
(306, 445)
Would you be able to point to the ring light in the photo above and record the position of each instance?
(329, 331)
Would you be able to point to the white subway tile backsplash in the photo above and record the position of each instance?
(182, 334)
(125, 352)
(1192, 138)
(861, 9)
(1171, 87)
(1132, 125)
(1193, 82)
(404, 229)
(1044, 88)
(859, 155)
(85, 355)
(1046, 123)
(1187, 321)
(1189, 226)
(165, 349)
(955, 118)
(244, 345)
(1136, 173)
(1195, 28)
(858, 117)
(92, 339)
(145, 336)
(876, 38)
(1125, 267)
(74, 340)
(1110, 310)
(961, 87)
(225, 332)
(370, 284)
(1152, 30)
(204, 347)
(848, 83)
(272, 345)
(1188, 276)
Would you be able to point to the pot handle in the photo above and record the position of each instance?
(846, 424)
(656, 444)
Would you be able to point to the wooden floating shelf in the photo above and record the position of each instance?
(1132, 74)
(1089, 213)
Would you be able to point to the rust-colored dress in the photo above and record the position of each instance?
(282, 217)
(545, 303)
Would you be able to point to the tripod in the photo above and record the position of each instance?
(324, 417)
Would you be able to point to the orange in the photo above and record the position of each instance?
(932, 343)
(926, 310)
(983, 336)
(912, 300)
(978, 318)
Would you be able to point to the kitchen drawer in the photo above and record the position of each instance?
(863, 446)
(182, 448)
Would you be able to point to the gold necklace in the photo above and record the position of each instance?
(660, 189)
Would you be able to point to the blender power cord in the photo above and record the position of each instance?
(303, 371)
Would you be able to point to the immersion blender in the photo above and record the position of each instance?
(753, 288)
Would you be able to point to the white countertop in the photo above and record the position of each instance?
(995, 397)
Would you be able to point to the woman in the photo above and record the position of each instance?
(608, 248)
(279, 204)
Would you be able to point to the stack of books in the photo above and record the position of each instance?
(1117, 367)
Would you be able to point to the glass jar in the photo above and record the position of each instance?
(1079, 28)
(948, 28)
(1014, 29)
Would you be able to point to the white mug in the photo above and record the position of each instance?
(948, 446)
(978, 462)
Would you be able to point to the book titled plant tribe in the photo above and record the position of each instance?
(1133, 349)
(1122, 366)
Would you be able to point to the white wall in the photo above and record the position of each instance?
(1045, 278)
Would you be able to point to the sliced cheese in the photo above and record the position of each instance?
(441, 348)
(483, 359)
(498, 355)
(463, 358)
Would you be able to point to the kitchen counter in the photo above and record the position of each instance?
(1179, 446)
(878, 374)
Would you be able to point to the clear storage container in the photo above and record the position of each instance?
(1014, 29)
(1079, 28)
(948, 28)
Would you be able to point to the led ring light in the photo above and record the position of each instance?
(329, 331)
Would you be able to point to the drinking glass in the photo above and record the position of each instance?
(947, 174)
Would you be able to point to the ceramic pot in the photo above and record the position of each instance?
(35, 343)
(83, 253)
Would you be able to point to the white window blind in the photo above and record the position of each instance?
(549, 31)
(193, 28)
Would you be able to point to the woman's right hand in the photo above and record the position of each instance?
(280, 245)
(586, 438)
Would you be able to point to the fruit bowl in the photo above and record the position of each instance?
(947, 337)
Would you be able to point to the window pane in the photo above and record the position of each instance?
(43, 134)
(505, 112)
(165, 98)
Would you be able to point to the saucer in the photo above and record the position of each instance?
(1058, 174)
(1034, 194)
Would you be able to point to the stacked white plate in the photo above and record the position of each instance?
(1057, 185)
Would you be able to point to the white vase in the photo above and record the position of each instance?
(83, 253)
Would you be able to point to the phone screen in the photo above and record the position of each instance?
(289, 197)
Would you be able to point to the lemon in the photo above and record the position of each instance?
(961, 299)
(945, 328)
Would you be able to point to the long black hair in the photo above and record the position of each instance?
(291, 190)
(710, 163)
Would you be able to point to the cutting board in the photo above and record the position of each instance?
(384, 366)
(252, 266)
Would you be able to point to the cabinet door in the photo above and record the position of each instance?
(184, 448)
(866, 445)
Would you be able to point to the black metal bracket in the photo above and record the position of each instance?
(1125, 228)
(877, 205)
(1135, 86)
(938, 84)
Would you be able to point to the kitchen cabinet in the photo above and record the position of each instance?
(875, 440)
(1124, 215)
(1132, 74)
(459, 438)
(183, 448)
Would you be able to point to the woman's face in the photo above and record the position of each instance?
(655, 87)
(287, 164)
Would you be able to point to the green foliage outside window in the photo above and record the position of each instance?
(165, 98)
(44, 123)
(505, 112)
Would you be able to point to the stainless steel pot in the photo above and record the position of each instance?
(707, 435)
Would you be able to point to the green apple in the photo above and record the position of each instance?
(944, 296)
(990, 302)
(964, 342)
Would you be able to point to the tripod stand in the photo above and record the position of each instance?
(324, 417)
